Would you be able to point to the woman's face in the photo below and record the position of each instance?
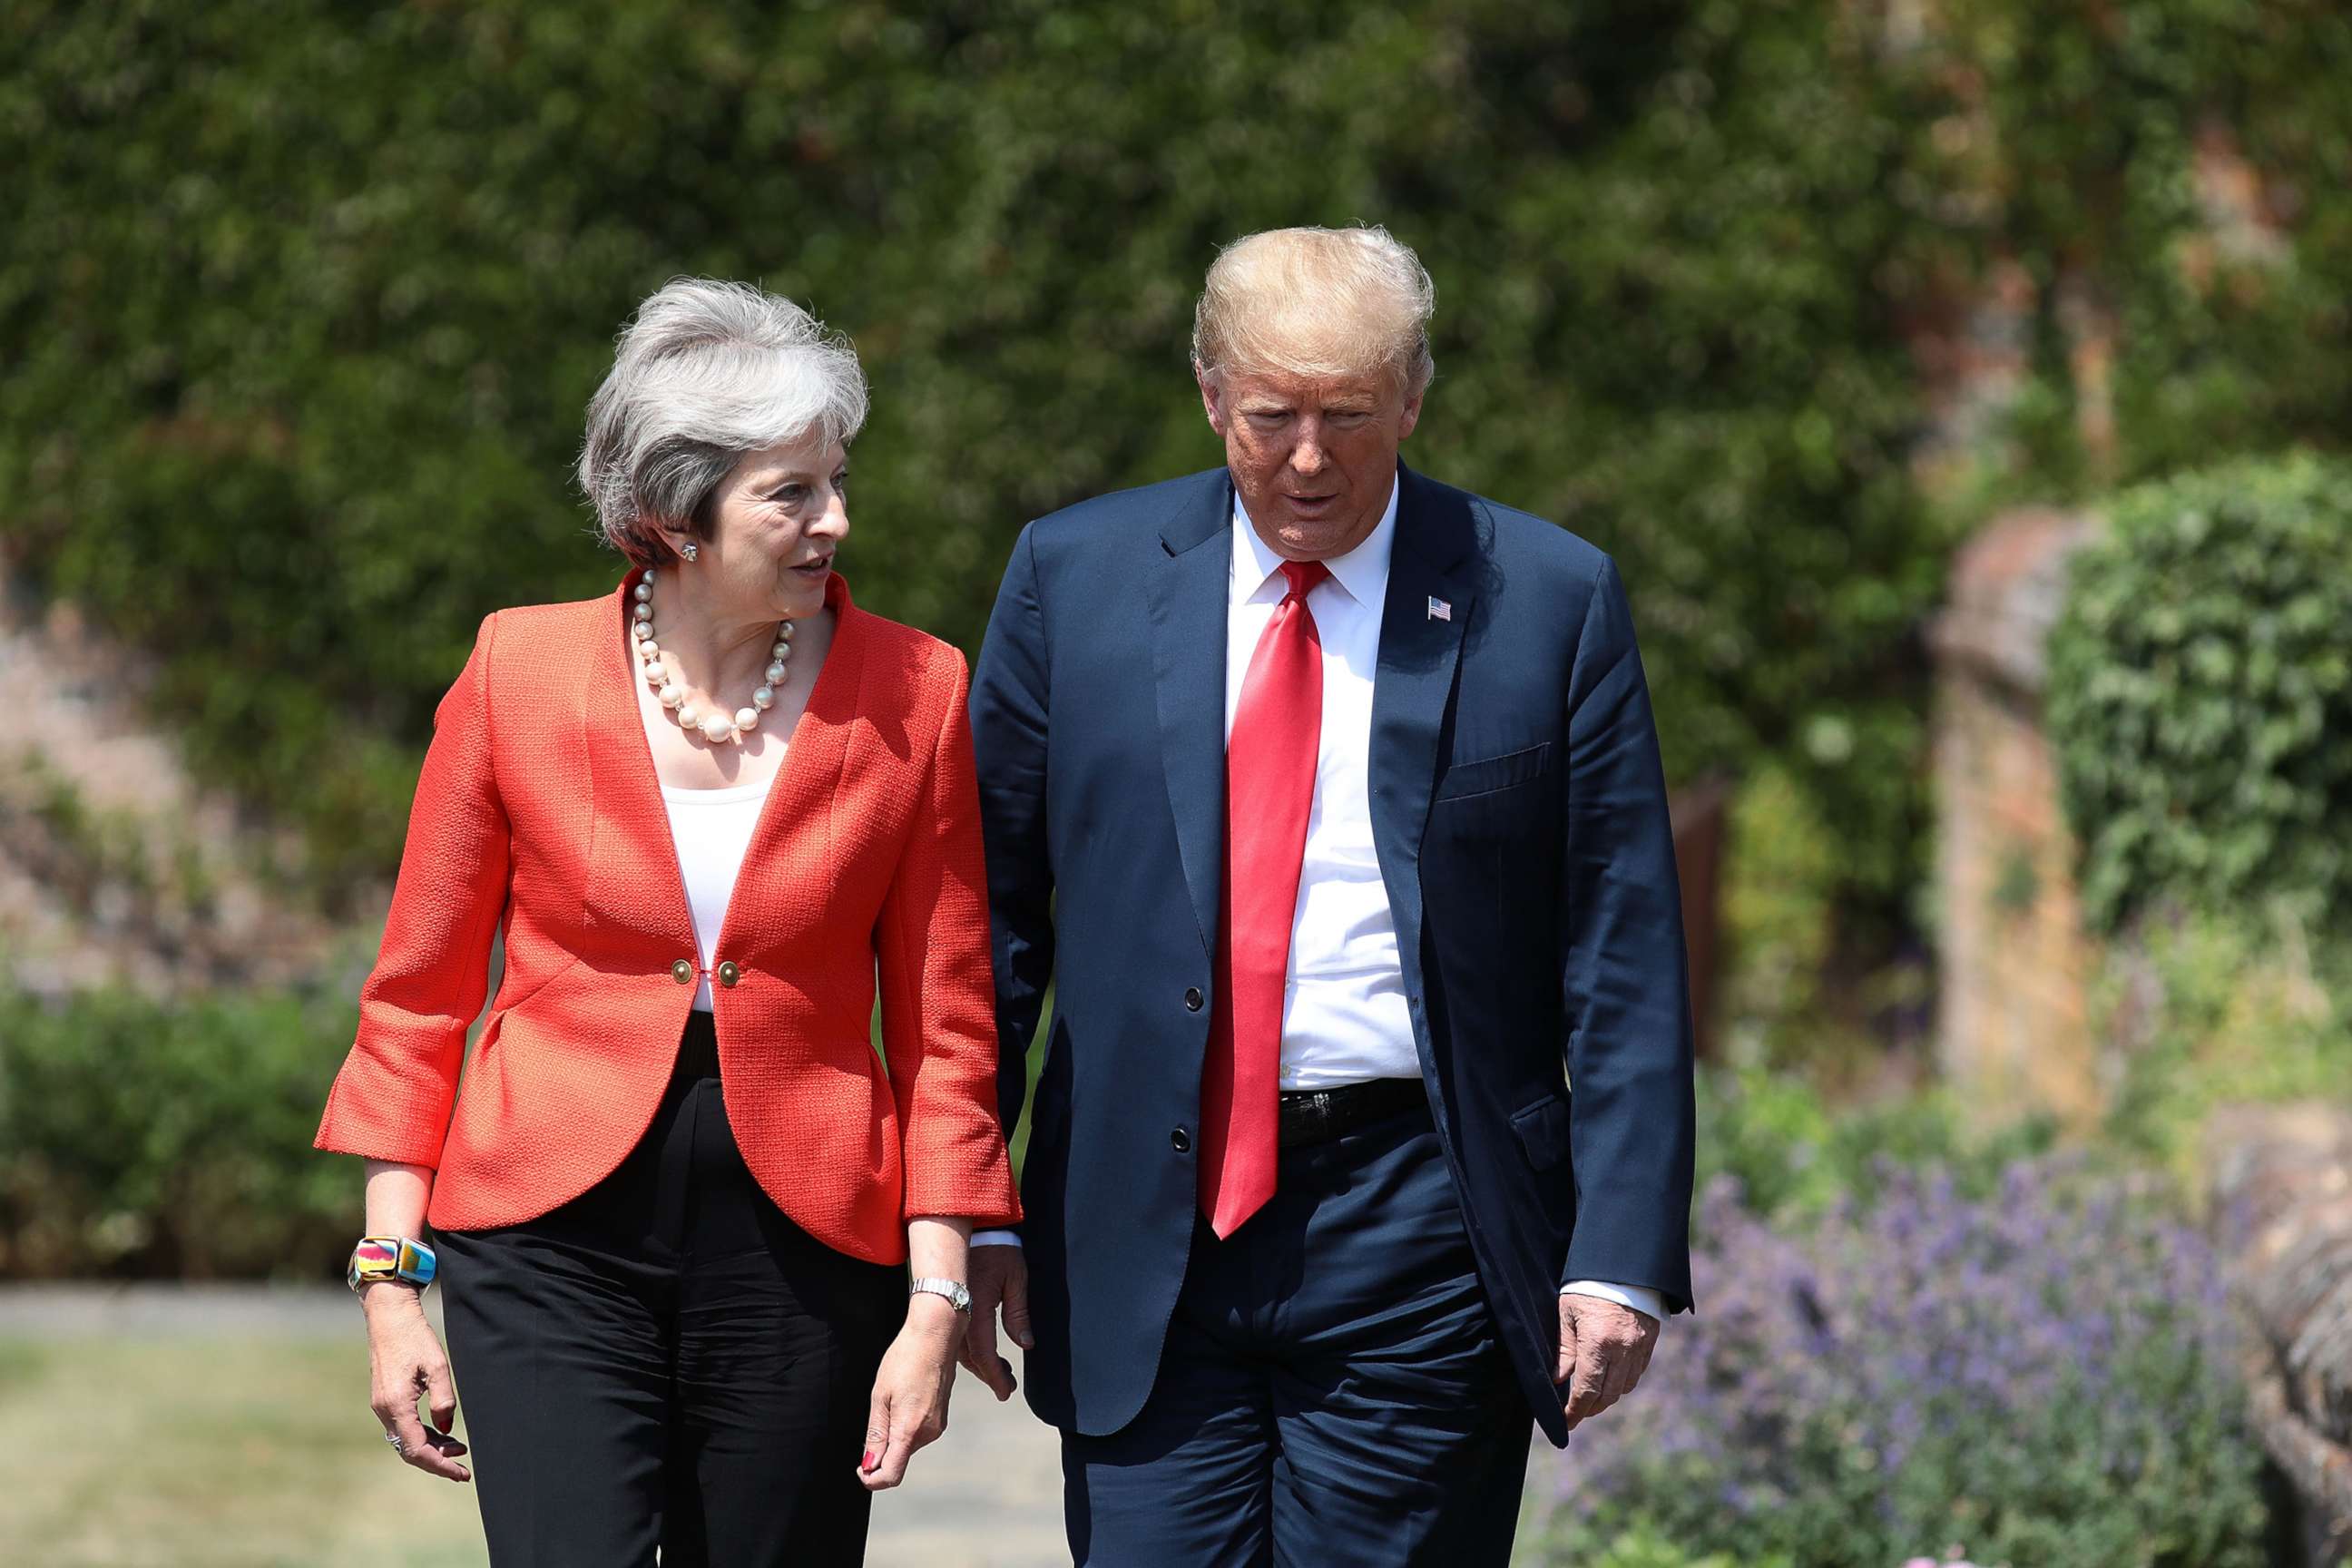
(776, 521)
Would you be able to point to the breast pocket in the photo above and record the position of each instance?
(1485, 775)
(1490, 853)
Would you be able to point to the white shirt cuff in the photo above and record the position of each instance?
(1641, 1297)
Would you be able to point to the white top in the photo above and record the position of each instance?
(711, 828)
(1344, 1018)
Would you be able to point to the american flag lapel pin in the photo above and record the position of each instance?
(1438, 610)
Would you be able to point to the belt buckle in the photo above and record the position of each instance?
(1311, 1113)
(1320, 1114)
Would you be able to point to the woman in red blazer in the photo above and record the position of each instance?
(675, 1193)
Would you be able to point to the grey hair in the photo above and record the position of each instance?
(706, 372)
(1317, 302)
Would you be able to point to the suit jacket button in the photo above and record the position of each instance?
(728, 974)
(682, 972)
(1180, 1141)
(1193, 1000)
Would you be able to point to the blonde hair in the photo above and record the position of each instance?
(1323, 302)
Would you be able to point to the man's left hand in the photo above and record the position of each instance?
(1000, 1275)
(1603, 1350)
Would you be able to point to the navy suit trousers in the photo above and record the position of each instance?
(1332, 1390)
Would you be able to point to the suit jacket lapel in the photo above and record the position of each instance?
(1188, 593)
(1421, 646)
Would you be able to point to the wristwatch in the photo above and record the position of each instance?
(957, 1296)
(397, 1257)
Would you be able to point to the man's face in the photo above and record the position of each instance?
(1314, 459)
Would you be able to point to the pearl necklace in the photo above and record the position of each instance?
(716, 726)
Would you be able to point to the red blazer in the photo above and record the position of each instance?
(539, 811)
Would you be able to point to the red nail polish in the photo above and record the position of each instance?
(867, 1463)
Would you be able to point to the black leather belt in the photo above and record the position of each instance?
(1319, 1115)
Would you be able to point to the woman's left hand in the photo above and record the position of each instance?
(910, 1392)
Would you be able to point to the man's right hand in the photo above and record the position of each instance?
(1000, 1276)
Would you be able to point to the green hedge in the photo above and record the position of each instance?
(303, 306)
(2201, 693)
(139, 1138)
(300, 308)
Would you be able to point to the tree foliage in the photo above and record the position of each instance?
(2175, 177)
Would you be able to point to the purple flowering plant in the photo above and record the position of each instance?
(2042, 1375)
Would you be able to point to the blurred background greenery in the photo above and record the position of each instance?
(1779, 301)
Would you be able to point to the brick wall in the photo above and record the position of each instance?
(117, 868)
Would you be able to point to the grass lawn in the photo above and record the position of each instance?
(206, 1453)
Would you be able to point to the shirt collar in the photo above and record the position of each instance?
(1362, 572)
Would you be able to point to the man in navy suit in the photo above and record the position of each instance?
(1326, 800)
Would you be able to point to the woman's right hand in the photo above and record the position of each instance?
(407, 1362)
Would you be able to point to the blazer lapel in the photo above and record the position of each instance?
(634, 859)
(807, 785)
(1188, 593)
(1431, 600)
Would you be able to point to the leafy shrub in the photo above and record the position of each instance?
(1796, 1156)
(1643, 1547)
(146, 1138)
(2205, 1009)
(1780, 912)
(2041, 1376)
(2201, 693)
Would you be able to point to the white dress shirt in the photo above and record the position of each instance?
(1344, 1016)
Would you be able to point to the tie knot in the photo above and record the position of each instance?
(1304, 575)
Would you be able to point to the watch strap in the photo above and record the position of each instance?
(956, 1293)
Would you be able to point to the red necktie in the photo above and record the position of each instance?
(1269, 791)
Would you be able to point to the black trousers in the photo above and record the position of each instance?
(669, 1362)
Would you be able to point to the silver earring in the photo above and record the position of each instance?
(688, 550)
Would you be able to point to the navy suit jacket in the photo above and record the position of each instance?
(1520, 819)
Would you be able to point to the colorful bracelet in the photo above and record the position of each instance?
(391, 1257)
